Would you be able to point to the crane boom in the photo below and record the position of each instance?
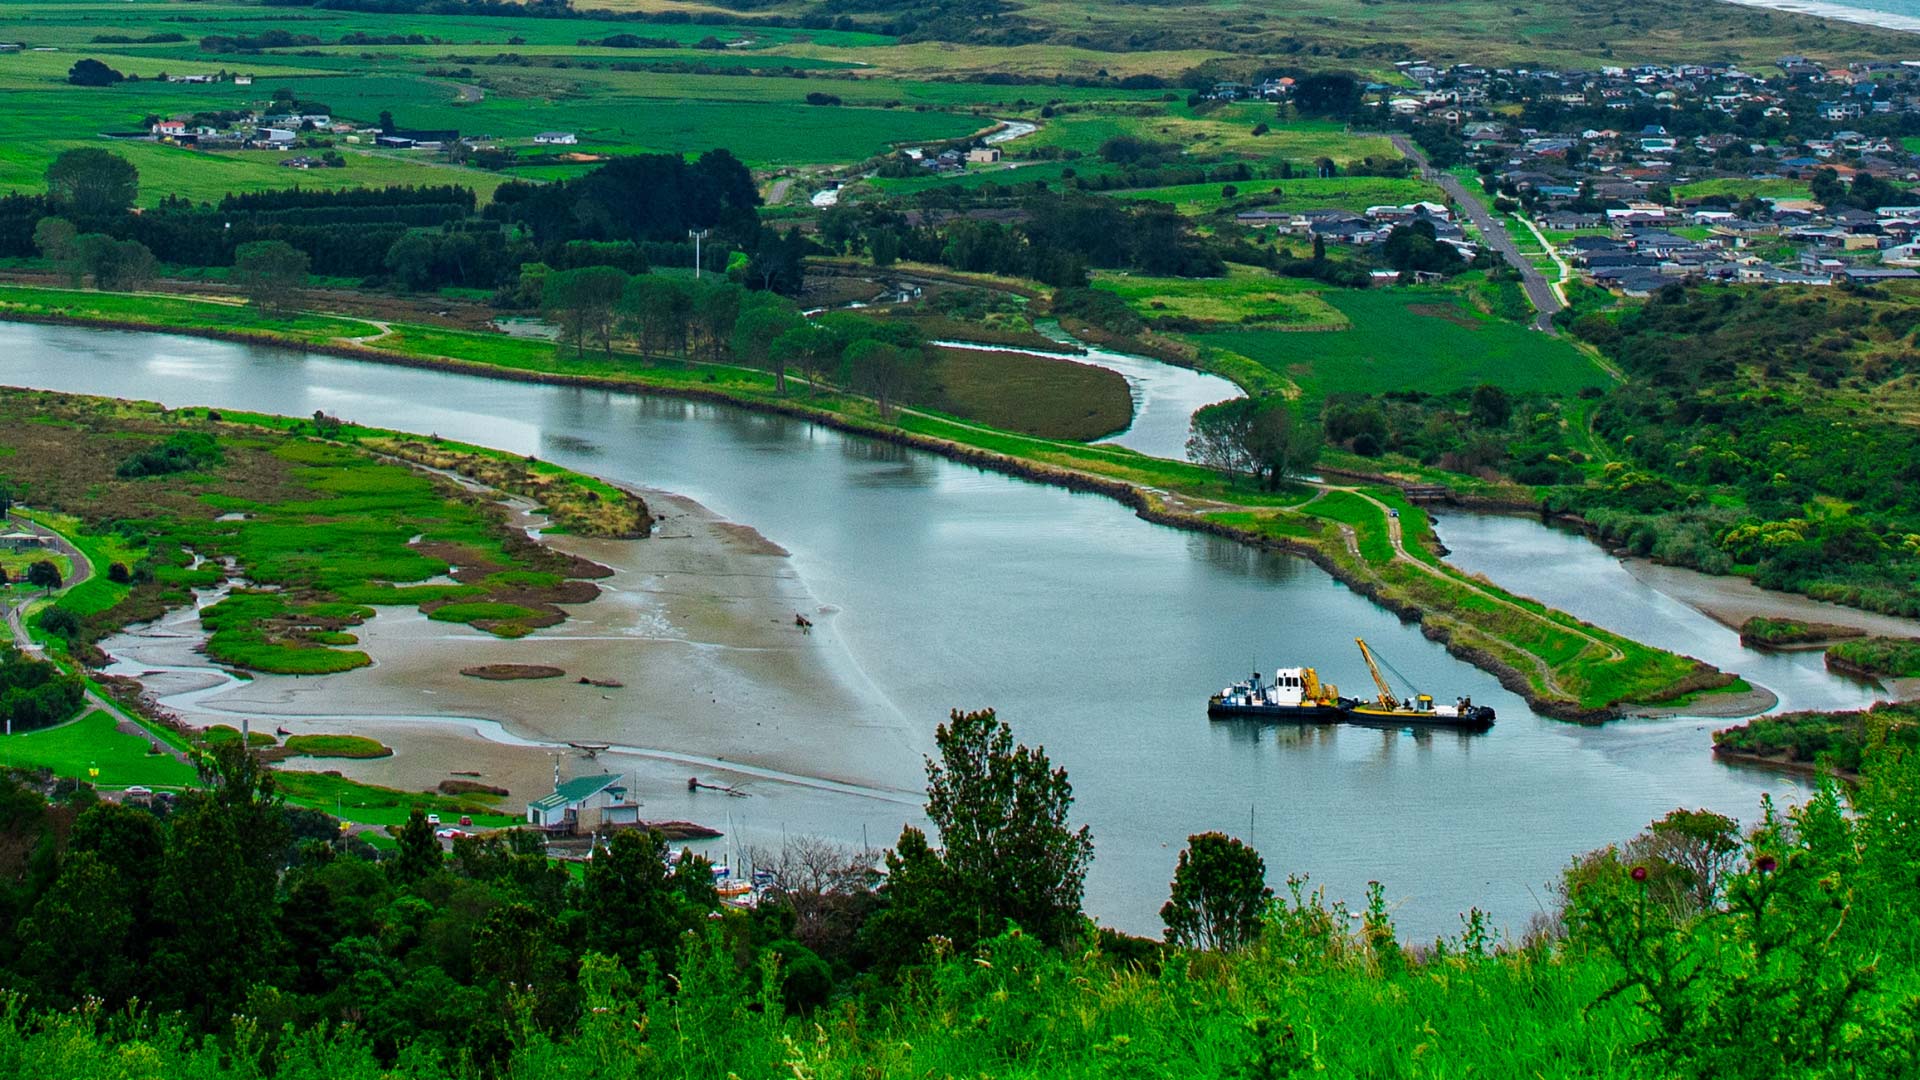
(1387, 698)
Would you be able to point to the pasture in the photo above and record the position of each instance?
(1422, 339)
(1300, 193)
(1245, 296)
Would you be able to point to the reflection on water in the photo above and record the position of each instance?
(1094, 633)
(1244, 561)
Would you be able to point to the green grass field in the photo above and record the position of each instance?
(1245, 296)
(1736, 188)
(1302, 193)
(1413, 339)
(92, 742)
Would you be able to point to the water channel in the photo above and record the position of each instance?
(1091, 631)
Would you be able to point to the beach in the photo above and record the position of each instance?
(1886, 20)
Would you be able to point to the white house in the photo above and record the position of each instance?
(556, 138)
(600, 799)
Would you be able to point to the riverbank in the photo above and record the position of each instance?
(1564, 668)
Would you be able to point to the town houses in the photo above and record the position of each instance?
(1749, 173)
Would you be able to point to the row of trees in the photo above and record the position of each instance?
(628, 213)
(718, 320)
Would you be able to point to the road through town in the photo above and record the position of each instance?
(1539, 292)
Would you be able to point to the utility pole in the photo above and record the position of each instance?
(698, 235)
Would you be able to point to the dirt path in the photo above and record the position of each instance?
(1401, 555)
(777, 194)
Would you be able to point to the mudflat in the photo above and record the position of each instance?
(698, 623)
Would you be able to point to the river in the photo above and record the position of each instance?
(1093, 633)
(1164, 395)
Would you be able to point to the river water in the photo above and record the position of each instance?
(1091, 631)
(1165, 396)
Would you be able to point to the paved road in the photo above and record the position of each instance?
(1493, 231)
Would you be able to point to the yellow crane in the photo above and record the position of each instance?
(1388, 701)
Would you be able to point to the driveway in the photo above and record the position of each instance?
(1493, 231)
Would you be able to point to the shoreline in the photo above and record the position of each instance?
(1150, 504)
(1883, 20)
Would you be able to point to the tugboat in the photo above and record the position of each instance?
(1418, 710)
(1294, 694)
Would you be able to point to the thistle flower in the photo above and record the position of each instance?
(1639, 873)
(1766, 864)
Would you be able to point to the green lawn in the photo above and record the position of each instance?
(93, 742)
(1734, 187)
(1413, 339)
(1301, 193)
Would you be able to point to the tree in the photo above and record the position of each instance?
(270, 273)
(1219, 893)
(53, 237)
(214, 893)
(386, 122)
(90, 182)
(1263, 437)
(1009, 853)
(631, 907)
(760, 326)
(1701, 846)
(584, 303)
(114, 264)
(43, 575)
(419, 857)
(882, 371)
(716, 308)
(91, 72)
(1334, 95)
(410, 260)
(1491, 407)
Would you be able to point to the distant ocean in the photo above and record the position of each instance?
(1891, 14)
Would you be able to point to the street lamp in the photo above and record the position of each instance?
(698, 235)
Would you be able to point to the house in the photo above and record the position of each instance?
(243, 80)
(22, 541)
(170, 129)
(983, 155)
(1873, 275)
(274, 137)
(556, 138)
(601, 799)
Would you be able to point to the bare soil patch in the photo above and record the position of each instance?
(508, 672)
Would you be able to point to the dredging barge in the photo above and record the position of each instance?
(1297, 695)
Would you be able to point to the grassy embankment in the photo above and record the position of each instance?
(1562, 666)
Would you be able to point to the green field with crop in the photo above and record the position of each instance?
(1413, 339)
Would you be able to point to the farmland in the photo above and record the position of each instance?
(1459, 347)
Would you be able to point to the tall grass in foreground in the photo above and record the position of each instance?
(1687, 952)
